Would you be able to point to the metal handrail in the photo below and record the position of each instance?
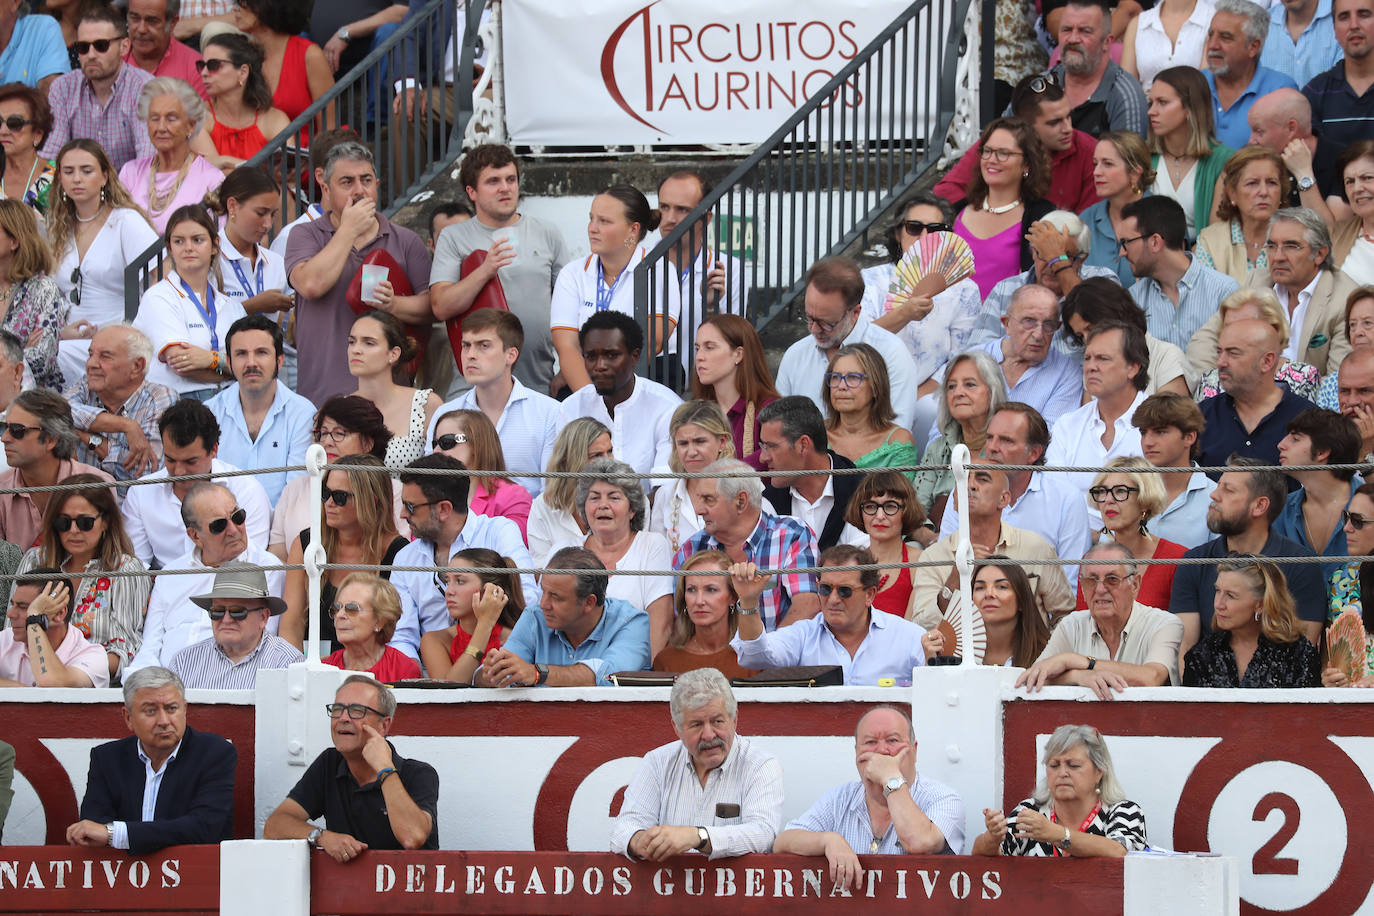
(406, 159)
(866, 156)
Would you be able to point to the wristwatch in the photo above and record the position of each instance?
(314, 837)
(748, 611)
(96, 441)
(1067, 841)
(1092, 662)
(1306, 182)
(343, 33)
(40, 619)
(893, 784)
(543, 673)
(705, 838)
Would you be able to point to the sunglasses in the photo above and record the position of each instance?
(18, 431)
(915, 227)
(411, 507)
(217, 525)
(352, 609)
(1355, 521)
(1090, 582)
(846, 591)
(212, 64)
(15, 123)
(76, 286)
(101, 45)
(339, 497)
(354, 710)
(449, 440)
(63, 523)
(1041, 83)
(237, 612)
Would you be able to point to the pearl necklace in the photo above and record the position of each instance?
(87, 219)
(998, 211)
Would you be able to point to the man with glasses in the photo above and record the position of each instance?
(369, 796)
(834, 298)
(1117, 642)
(792, 444)
(239, 607)
(39, 647)
(152, 47)
(216, 527)
(436, 508)
(100, 101)
(153, 512)
(869, 645)
(39, 442)
(1177, 292)
(116, 408)
(1035, 372)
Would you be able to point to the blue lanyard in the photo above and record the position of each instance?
(686, 271)
(207, 310)
(604, 295)
(248, 291)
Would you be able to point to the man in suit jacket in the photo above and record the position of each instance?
(792, 440)
(166, 785)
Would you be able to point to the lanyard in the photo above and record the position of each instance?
(244, 284)
(207, 310)
(604, 295)
(1087, 822)
(687, 270)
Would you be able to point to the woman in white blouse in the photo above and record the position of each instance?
(1352, 240)
(185, 316)
(701, 434)
(253, 276)
(1171, 34)
(554, 517)
(96, 231)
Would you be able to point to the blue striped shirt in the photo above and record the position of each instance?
(204, 664)
(843, 810)
(1200, 291)
(1315, 50)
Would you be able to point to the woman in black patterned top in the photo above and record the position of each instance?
(1078, 809)
(1255, 639)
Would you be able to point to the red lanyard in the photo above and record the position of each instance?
(1083, 828)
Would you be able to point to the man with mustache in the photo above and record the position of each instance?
(1101, 95)
(735, 806)
(115, 409)
(262, 423)
(1234, 41)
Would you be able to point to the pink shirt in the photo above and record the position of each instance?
(20, 520)
(180, 62)
(75, 649)
(510, 501)
(201, 178)
(994, 259)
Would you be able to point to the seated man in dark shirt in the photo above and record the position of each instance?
(352, 784)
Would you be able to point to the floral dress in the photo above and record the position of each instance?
(1345, 593)
(36, 304)
(1301, 378)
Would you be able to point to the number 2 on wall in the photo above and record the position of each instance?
(1267, 860)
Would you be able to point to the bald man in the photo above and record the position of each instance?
(1251, 414)
(1282, 122)
(1355, 394)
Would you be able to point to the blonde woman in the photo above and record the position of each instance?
(1254, 185)
(31, 302)
(701, 434)
(1121, 174)
(1127, 497)
(554, 516)
(365, 613)
(1301, 378)
(973, 390)
(705, 622)
(1187, 157)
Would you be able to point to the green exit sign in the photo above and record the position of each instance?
(735, 235)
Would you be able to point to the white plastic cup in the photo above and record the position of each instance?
(509, 236)
(372, 275)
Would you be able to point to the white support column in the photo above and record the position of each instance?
(314, 554)
(264, 876)
(963, 553)
(1182, 885)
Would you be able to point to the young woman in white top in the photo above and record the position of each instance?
(701, 434)
(1172, 34)
(253, 276)
(554, 517)
(185, 316)
(604, 280)
(376, 345)
(96, 231)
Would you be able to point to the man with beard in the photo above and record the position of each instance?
(1101, 95)
(792, 444)
(1234, 41)
(736, 811)
(115, 409)
(636, 410)
(262, 423)
(1342, 103)
(1245, 505)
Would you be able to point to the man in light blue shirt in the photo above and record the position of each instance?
(867, 644)
(575, 636)
(436, 508)
(262, 423)
(32, 50)
(1313, 51)
(1234, 42)
(1035, 373)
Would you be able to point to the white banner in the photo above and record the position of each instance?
(602, 72)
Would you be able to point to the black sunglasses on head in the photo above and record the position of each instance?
(101, 45)
(217, 525)
(63, 523)
(237, 612)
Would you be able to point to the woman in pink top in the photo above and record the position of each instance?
(175, 175)
(1004, 198)
(468, 436)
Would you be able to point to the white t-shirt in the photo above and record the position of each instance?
(580, 292)
(246, 282)
(169, 316)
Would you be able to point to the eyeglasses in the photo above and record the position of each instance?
(411, 507)
(450, 440)
(825, 327)
(1091, 582)
(217, 525)
(846, 591)
(212, 64)
(18, 431)
(352, 609)
(335, 436)
(916, 227)
(1001, 155)
(1119, 493)
(339, 497)
(355, 710)
(236, 612)
(1355, 521)
(1041, 83)
(1030, 325)
(1288, 248)
(76, 286)
(101, 45)
(845, 379)
(891, 507)
(63, 523)
(15, 123)
(1122, 243)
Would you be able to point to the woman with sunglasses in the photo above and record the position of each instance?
(484, 607)
(241, 115)
(468, 436)
(365, 612)
(1346, 586)
(344, 425)
(358, 528)
(554, 516)
(1187, 158)
(83, 535)
(1013, 626)
(25, 122)
(30, 302)
(972, 392)
(859, 414)
(176, 174)
(1122, 174)
(96, 231)
(1127, 498)
(706, 619)
(185, 315)
(884, 506)
(377, 345)
(700, 434)
(1255, 639)
(730, 368)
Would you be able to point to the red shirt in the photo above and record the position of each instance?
(1158, 582)
(462, 639)
(1071, 182)
(393, 666)
(179, 61)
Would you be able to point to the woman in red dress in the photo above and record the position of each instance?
(365, 613)
(484, 607)
(242, 115)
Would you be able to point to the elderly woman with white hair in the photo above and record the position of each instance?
(1245, 304)
(1079, 809)
(973, 390)
(176, 174)
(612, 503)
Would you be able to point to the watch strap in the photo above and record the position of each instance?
(1092, 662)
(543, 674)
(39, 619)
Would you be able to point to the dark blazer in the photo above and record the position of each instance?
(194, 803)
(844, 486)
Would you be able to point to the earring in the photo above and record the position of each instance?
(1145, 517)
(1257, 616)
(1098, 789)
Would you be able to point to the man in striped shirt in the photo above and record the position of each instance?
(712, 792)
(239, 606)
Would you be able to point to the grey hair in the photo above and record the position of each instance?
(1315, 231)
(1254, 18)
(193, 495)
(906, 717)
(136, 344)
(694, 689)
(386, 699)
(192, 104)
(1117, 548)
(54, 416)
(1067, 221)
(989, 372)
(1068, 737)
(351, 150)
(617, 474)
(151, 678)
(730, 487)
(12, 347)
(173, 12)
(588, 570)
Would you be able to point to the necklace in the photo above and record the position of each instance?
(998, 211)
(158, 203)
(87, 219)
